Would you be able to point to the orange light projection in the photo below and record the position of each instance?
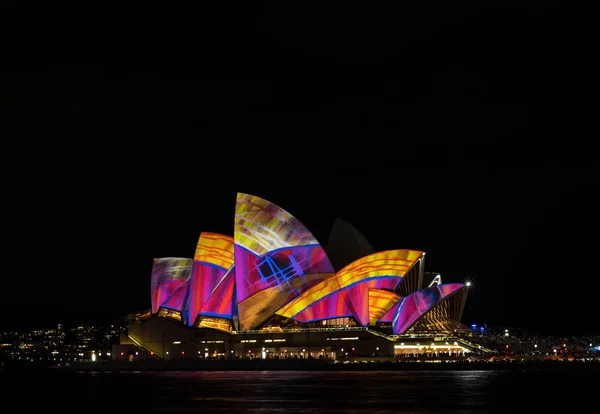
(390, 263)
(215, 249)
(380, 301)
(260, 226)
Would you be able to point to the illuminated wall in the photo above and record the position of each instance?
(170, 283)
(211, 281)
(417, 304)
(276, 259)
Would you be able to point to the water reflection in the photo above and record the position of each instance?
(323, 392)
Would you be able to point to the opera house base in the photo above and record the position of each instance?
(160, 338)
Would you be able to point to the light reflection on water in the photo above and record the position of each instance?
(357, 392)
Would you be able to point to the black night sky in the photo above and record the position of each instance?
(453, 128)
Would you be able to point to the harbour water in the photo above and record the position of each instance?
(422, 391)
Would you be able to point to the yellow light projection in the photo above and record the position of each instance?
(261, 226)
(215, 249)
(380, 301)
(390, 263)
(263, 304)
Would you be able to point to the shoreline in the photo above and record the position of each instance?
(305, 365)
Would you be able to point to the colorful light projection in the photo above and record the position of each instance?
(378, 270)
(221, 300)
(276, 259)
(389, 315)
(170, 282)
(211, 282)
(415, 305)
(343, 303)
(261, 226)
(380, 302)
(274, 265)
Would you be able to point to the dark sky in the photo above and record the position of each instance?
(453, 128)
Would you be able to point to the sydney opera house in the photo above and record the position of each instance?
(273, 291)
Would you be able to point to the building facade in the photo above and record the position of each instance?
(270, 291)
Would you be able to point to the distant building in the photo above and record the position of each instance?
(273, 291)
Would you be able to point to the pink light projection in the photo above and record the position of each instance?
(276, 258)
(418, 303)
(169, 274)
(212, 260)
(275, 266)
(178, 300)
(220, 302)
(389, 315)
(348, 302)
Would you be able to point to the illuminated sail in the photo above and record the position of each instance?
(276, 258)
(213, 259)
(391, 264)
(169, 275)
